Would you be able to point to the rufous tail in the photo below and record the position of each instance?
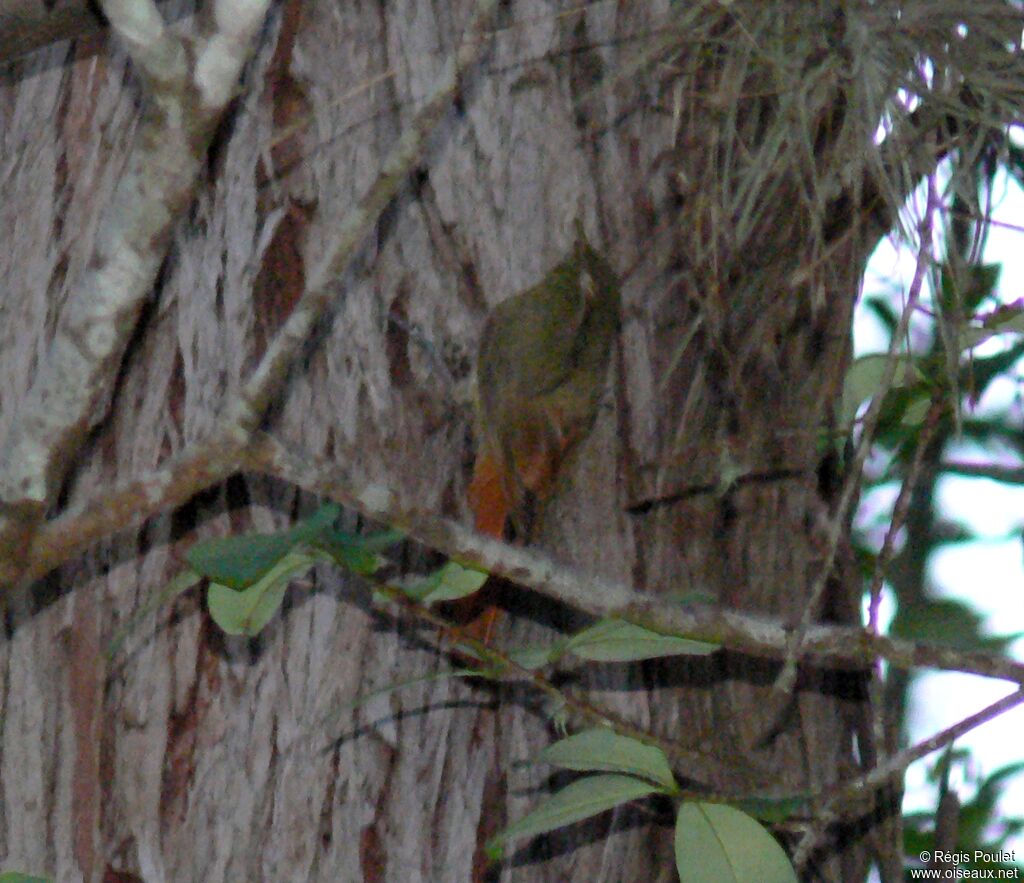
(488, 498)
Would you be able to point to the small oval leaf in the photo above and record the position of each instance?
(317, 523)
(448, 583)
(613, 640)
(239, 561)
(864, 379)
(535, 656)
(719, 844)
(357, 553)
(949, 622)
(605, 750)
(775, 810)
(580, 800)
(1005, 319)
(248, 611)
(915, 411)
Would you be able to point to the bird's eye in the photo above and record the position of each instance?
(588, 286)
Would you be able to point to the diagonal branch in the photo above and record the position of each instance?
(859, 790)
(48, 433)
(186, 94)
(844, 646)
(70, 534)
(27, 25)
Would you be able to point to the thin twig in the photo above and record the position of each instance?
(690, 760)
(995, 471)
(856, 791)
(899, 516)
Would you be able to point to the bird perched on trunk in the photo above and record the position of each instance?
(541, 373)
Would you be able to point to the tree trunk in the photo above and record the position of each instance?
(191, 756)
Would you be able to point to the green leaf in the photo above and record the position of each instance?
(949, 622)
(718, 844)
(613, 640)
(991, 788)
(357, 553)
(536, 656)
(916, 410)
(983, 371)
(603, 749)
(864, 380)
(353, 557)
(239, 561)
(883, 311)
(448, 583)
(973, 335)
(1005, 322)
(379, 540)
(248, 611)
(580, 800)
(478, 664)
(774, 809)
(964, 289)
(18, 877)
(320, 521)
